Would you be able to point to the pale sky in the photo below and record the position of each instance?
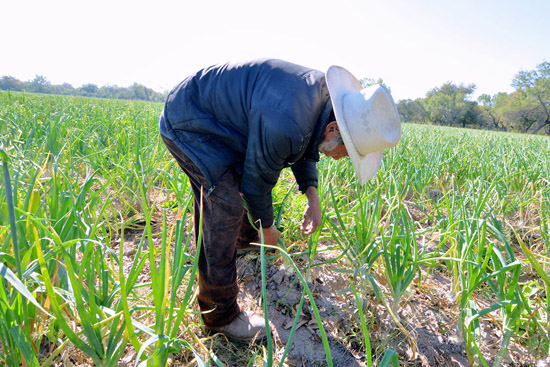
(413, 45)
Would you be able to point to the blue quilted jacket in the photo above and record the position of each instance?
(256, 117)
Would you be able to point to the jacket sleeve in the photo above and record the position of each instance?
(305, 173)
(272, 138)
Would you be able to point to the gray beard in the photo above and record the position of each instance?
(328, 145)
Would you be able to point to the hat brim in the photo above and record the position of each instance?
(340, 83)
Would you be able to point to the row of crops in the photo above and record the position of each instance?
(79, 174)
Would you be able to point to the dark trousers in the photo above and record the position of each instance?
(224, 225)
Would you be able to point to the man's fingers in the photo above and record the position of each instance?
(312, 227)
(317, 223)
(311, 220)
(308, 227)
(305, 222)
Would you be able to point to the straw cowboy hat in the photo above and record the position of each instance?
(367, 118)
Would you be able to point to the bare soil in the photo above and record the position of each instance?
(426, 312)
(427, 315)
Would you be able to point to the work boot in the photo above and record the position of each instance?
(254, 249)
(243, 250)
(246, 236)
(245, 240)
(246, 326)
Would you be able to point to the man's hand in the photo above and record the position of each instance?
(312, 213)
(271, 235)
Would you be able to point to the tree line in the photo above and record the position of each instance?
(525, 110)
(41, 85)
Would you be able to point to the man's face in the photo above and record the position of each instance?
(332, 132)
(339, 152)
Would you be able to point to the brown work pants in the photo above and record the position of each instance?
(224, 225)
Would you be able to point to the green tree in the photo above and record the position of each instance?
(535, 86)
(10, 83)
(40, 84)
(487, 104)
(412, 110)
(139, 92)
(517, 111)
(449, 105)
(107, 91)
(66, 88)
(367, 82)
(88, 89)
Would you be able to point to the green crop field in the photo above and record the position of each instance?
(97, 263)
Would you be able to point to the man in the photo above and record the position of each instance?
(232, 128)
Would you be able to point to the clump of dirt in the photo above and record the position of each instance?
(428, 319)
(426, 312)
(284, 292)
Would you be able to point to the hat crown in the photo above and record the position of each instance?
(372, 119)
(367, 118)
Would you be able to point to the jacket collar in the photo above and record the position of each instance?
(318, 134)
